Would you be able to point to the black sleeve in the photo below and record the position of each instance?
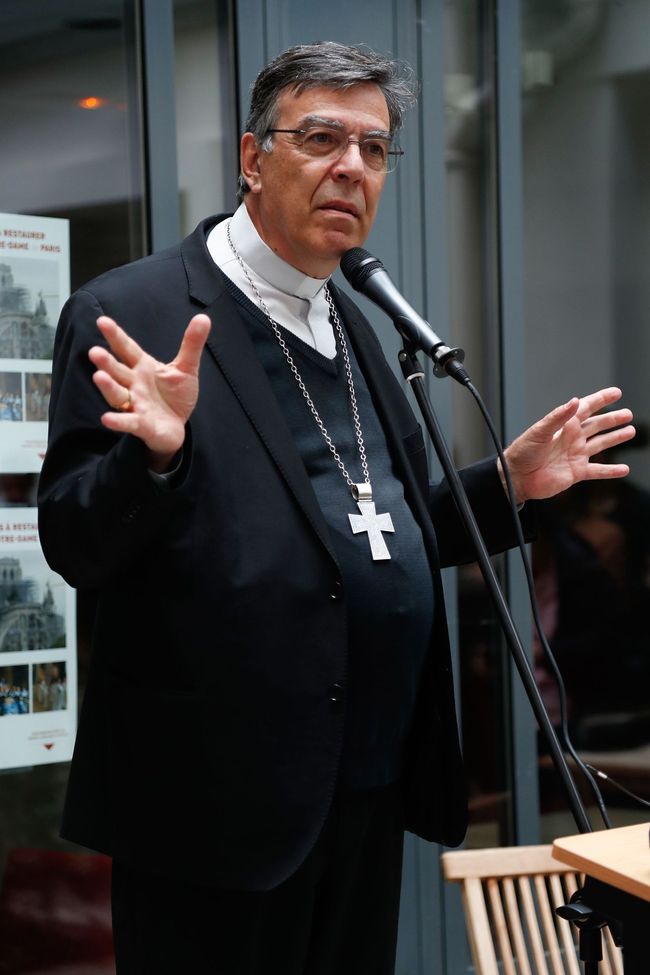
(99, 508)
(491, 509)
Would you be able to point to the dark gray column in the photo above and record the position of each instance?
(157, 25)
(511, 289)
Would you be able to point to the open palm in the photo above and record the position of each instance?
(149, 399)
(557, 451)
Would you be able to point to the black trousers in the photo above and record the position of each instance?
(337, 915)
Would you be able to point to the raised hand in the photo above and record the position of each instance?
(556, 452)
(149, 399)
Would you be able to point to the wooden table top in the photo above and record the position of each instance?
(620, 857)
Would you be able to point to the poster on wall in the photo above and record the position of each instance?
(38, 682)
(38, 677)
(34, 284)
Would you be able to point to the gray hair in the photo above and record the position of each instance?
(330, 65)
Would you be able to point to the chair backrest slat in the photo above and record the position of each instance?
(478, 927)
(612, 953)
(510, 895)
(558, 898)
(500, 926)
(514, 924)
(532, 924)
(548, 926)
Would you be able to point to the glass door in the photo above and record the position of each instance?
(71, 149)
(586, 87)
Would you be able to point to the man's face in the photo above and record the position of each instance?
(311, 210)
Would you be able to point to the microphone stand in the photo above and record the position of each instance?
(588, 919)
(414, 376)
(596, 904)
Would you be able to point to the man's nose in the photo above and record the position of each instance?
(350, 163)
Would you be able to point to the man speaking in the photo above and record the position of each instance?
(270, 701)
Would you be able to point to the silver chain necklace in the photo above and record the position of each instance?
(368, 521)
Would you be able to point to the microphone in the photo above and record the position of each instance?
(369, 276)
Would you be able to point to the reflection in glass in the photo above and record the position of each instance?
(70, 127)
(587, 221)
(208, 152)
(71, 147)
(472, 239)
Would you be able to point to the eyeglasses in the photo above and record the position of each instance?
(321, 142)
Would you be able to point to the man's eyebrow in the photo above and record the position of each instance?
(330, 123)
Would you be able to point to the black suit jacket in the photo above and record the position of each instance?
(209, 742)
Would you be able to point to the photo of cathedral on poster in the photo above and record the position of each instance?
(34, 284)
(26, 331)
(29, 616)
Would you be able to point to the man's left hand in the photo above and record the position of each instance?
(556, 452)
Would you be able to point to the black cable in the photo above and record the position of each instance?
(548, 653)
(608, 778)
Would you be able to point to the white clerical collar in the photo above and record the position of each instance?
(262, 260)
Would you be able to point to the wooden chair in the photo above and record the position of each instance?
(509, 896)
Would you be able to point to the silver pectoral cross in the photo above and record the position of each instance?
(369, 521)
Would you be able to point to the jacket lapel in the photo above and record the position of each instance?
(234, 353)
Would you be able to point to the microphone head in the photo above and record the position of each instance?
(357, 265)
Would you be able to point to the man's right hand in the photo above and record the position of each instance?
(149, 399)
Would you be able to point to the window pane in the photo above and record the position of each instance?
(205, 110)
(587, 220)
(484, 668)
(71, 129)
(71, 147)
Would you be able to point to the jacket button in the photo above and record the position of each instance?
(336, 694)
(336, 592)
(132, 512)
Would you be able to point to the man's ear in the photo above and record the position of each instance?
(249, 158)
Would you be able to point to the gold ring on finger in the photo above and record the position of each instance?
(127, 405)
